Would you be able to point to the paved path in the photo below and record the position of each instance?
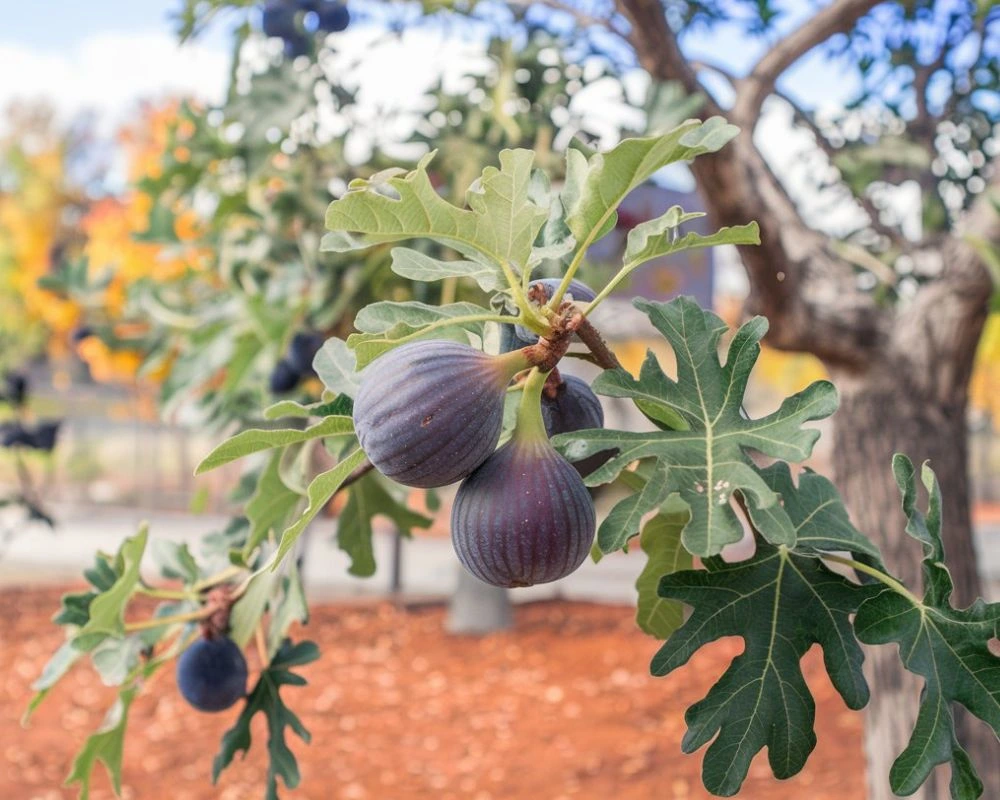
(39, 555)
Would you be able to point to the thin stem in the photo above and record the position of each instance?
(220, 577)
(261, 644)
(166, 594)
(173, 619)
(529, 412)
(877, 574)
(590, 336)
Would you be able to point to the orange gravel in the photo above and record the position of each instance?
(560, 707)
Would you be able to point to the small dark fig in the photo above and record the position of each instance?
(212, 674)
(302, 351)
(15, 388)
(14, 434)
(428, 413)
(523, 517)
(333, 17)
(81, 333)
(296, 45)
(43, 437)
(514, 337)
(575, 407)
(284, 377)
(277, 18)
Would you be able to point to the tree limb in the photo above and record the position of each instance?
(838, 17)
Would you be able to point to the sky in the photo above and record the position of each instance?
(104, 56)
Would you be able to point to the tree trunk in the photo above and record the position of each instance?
(882, 413)
(477, 608)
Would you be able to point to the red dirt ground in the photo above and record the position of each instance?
(560, 707)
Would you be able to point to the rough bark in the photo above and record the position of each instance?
(902, 372)
(477, 608)
(882, 414)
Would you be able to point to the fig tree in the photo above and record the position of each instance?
(575, 407)
(524, 516)
(212, 674)
(429, 412)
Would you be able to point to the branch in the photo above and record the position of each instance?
(658, 50)
(838, 17)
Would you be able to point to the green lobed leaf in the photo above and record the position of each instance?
(290, 608)
(175, 560)
(660, 540)
(623, 521)
(265, 699)
(106, 746)
(270, 507)
(384, 315)
(368, 499)
(656, 239)
(946, 646)
(336, 366)
(498, 228)
(817, 513)
(323, 487)
(706, 458)
(419, 266)
(61, 662)
(248, 610)
(781, 604)
(255, 440)
(595, 187)
(106, 612)
(417, 321)
(75, 607)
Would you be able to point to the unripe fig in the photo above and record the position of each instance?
(514, 337)
(212, 674)
(430, 412)
(575, 407)
(524, 517)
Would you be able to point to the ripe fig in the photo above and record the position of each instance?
(514, 337)
(524, 516)
(284, 377)
(575, 407)
(302, 351)
(333, 17)
(212, 674)
(278, 19)
(430, 412)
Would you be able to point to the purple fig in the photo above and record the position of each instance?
(430, 412)
(575, 407)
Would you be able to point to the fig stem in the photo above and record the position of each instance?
(591, 337)
(529, 413)
(173, 619)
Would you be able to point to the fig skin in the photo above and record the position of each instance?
(514, 337)
(212, 674)
(575, 408)
(429, 412)
(523, 517)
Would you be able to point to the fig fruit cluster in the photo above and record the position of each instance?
(514, 337)
(297, 363)
(212, 674)
(293, 21)
(430, 413)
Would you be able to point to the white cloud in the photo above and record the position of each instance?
(109, 72)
